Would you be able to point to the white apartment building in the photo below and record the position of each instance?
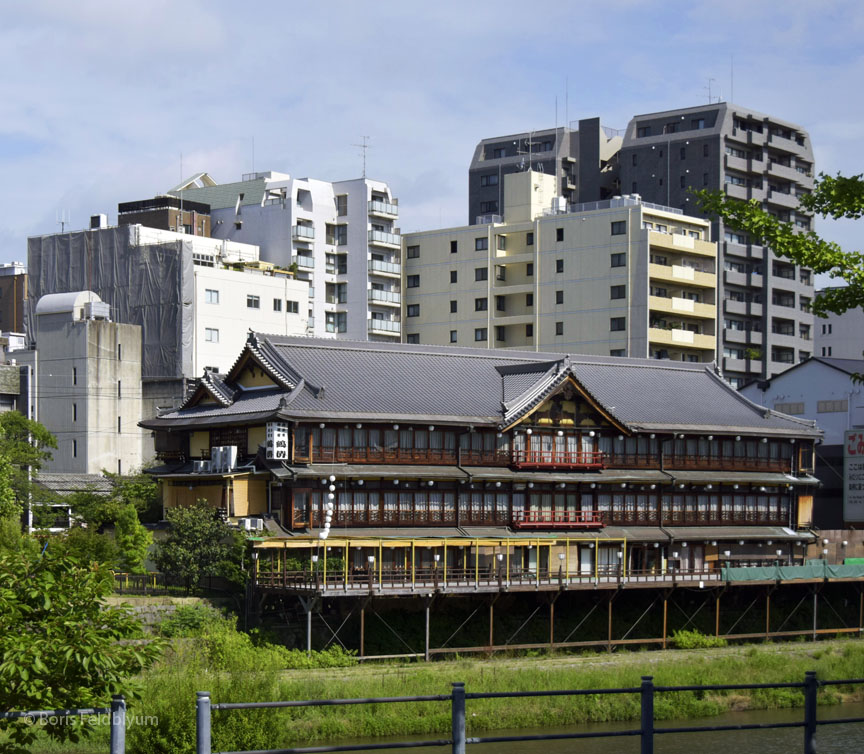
(339, 237)
(840, 336)
(618, 277)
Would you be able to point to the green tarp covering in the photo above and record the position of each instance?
(788, 573)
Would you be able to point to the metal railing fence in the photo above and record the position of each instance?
(458, 740)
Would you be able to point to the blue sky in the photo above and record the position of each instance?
(99, 99)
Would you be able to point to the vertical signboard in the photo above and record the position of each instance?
(277, 441)
(853, 476)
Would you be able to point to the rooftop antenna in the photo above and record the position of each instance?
(709, 90)
(63, 219)
(364, 146)
(181, 188)
(521, 151)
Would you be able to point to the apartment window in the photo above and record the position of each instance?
(789, 408)
(500, 272)
(682, 181)
(618, 352)
(336, 321)
(413, 338)
(529, 299)
(489, 180)
(617, 324)
(454, 247)
(559, 265)
(670, 128)
(832, 407)
(529, 269)
(500, 304)
(826, 350)
(559, 234)
(74, 412)
(292, 307)
(559, 328)
(211, 296)
(211, 335)
(481, 304)
(481, 244)
(619, 227)
(617, 291)
(643, 131)
(75, 374)
(119, 352)
(559, 297)
(633, 159)
(453, 336)
(682, 153)
(119, 388)
(413, 310)
(454, 276)
(529, 330)
(341, 204)
(697, 123)
(618, 260)
(453, 306)
(74, 448)
(118, 425)
(481, 273)
(253, 302)
(633, 187)
(500, 333)
(481, 333)
(412, 252)
(704, 150)
(277, 304)
(501, 242)
(704, 179)
(529, 238)
(412, 281)
(826, 329)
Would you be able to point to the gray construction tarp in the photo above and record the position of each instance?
(809, 571)
(150, 285)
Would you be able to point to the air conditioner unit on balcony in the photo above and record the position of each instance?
(216, 458)
(229, 457)
(259, 524)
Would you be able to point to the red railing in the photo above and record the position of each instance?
(557, 520)
(574, 459)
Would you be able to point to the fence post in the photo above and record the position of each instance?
(647, 715)
(458, 718)
(811, 688)
(202, 733)
(118, 724)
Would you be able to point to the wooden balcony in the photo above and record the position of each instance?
(431, 456)
(557, 520)
(559, 459)
(735, 463)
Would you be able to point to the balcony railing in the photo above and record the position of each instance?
(387, 239)
(575, 459)
(303, 232)
(388, 268)
(304, 261)
(383, 208)
(385, 325)
(385, 297)
(557, 520)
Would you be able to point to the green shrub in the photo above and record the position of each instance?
(696, 640)
(191, 621)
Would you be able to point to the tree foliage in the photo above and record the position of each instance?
(60, 645)
(200, 544)
(23, 444)
(133, 540)
(833, 196)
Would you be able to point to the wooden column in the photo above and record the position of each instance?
(362, 630)
(767, 613)
(665, 616)
(491, 624)
(717, 615)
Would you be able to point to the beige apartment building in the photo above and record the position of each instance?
(618, 277)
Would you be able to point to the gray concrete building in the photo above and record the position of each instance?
(840, 336)
(583, 163)
(766, 325)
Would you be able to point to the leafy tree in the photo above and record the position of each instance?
(133, 540)
(200, 544)
(835, 197)
(23, 443)
(60, 645)
(140, 491)
(85, 545)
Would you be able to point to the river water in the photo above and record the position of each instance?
(830, 739)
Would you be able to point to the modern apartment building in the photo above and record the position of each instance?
(840, 336)
(583, 163)
(339, 237)
(13, 292)
(618, 277)
(665, 156)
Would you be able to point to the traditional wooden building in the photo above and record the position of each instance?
(657, 464)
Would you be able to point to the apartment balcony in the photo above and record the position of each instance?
(743, 337)
(675, 305)
(779, 199)
(747, 366)
(305, 262)
(384, 327)
(681, 338)
(742, 307)
(383, 209)
(387, 269)
(787, 145)
(678, 274)
(559, 459)
(681, 243)
(735, 191)
(303, 232)
(518, 318)
(737, 163)
(385, 298)
(755, 138)
(387, 240)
